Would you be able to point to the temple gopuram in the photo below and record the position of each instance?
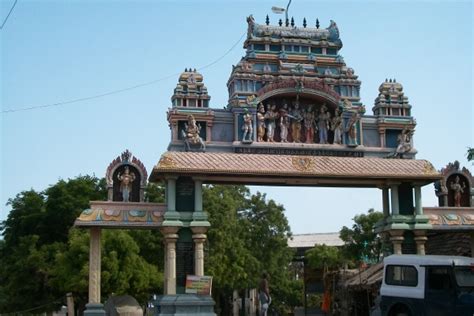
(294, 117)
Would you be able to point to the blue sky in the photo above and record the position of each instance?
(53, 51)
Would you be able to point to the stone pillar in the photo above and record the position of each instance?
(235, 303)
(396, 237)
(94, 266)
(70, 304)
(171, 236)
(386, 202)
(94, 307)
(394, 199)
(199, 237)
(420, 239)
(418, 208)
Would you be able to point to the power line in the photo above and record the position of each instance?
(8, 15)
(123, 89)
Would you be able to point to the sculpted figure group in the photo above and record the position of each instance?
(299, 125)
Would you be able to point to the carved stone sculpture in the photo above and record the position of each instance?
(336, 127)
(323, 125)
(271, 116)
(351, 130)
(247, 128)
(126, 178)
(296, 118)
(191, 134)
(260, 123)
(458, 189)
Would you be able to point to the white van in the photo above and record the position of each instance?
(415, 285)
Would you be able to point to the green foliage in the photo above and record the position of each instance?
(361, 243)
(324, 257)
(248, 236)
(42, 258)
(470, 154)
(154, 193)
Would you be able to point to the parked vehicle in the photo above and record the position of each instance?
(415, 285)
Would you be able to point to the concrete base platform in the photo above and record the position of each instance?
(184, 304)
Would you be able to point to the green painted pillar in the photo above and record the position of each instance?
(386, 202)
(394, 199)
(171, 216)
(418, 208)
(171, 195)
(198, 195)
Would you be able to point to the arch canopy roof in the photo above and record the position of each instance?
(293, 170)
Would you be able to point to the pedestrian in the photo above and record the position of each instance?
(264, 295)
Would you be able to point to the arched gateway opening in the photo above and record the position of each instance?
(294, 118)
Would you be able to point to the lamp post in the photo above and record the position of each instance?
(279, 10)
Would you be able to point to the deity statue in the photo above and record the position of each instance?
(336, 127)
(296, 118)
(247, 127)
(323, 124)
(271, 116)
(351, 130)
(308, 118)
(260, 123)
(458, 189)
(284, 123)
(191, 134)
(404, 142)
(126, 178)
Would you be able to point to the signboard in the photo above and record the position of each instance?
(200, 285)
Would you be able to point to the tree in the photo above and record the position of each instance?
(361, 243)
(248, 236)
(324, 257)
(42, 258)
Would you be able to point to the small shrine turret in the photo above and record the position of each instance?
(190, 91)
(391, 100)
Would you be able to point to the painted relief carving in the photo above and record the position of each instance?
(247, 127)
(261, 123)
(351, 130)
(126, 178)
(458, 189)
(191, 134)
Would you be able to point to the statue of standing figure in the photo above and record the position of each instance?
(271, 116)
(458, 189)
(126, 179)
(284, 123)
(296, 118)
(323, 124)
(308, 118)
(247, 127)
(260, 123)
(336, 127)
(351, 130)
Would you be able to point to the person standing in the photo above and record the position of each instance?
(264, 295)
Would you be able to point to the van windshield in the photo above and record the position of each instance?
(464, 276)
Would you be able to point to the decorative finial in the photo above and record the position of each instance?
(317, 23)
(194, 70)
(390, 80)
(386, 80)
(292, 22)
(287, 22)
(304, 22)
(267, 20)
(280, 22)
(126, 156)
(185, 69)
(394, 80)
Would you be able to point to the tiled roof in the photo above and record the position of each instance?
(310, 240)
(233, 164)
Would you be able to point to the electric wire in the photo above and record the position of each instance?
(8, 15)
(34, 308)
(123, 89)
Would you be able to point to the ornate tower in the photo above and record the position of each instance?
(190, 91)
